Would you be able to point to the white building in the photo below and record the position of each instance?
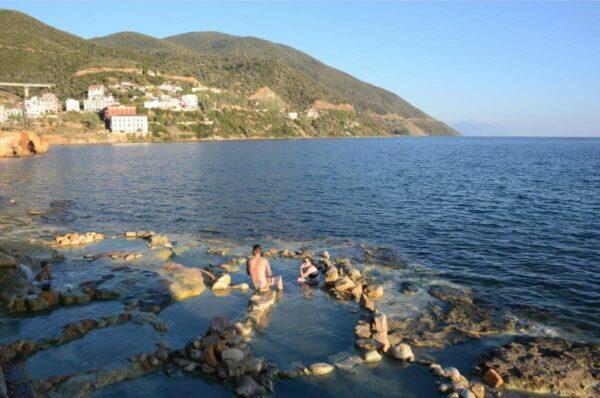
(96, 91)
(38, 106)
(189, 101)
(96, 104)
(164, 102)
(72, 105)
(169, 88)
(129, 124)
(293, 115)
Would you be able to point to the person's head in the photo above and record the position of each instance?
(257, 250)
(306, 261)
(45, 265)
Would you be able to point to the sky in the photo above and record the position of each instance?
(486, 68)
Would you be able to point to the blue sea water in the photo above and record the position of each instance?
(515, 219)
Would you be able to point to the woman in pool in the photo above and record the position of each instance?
(308, 272)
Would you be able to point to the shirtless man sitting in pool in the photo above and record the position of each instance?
(260, 271)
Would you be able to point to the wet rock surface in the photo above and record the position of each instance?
(545, 365)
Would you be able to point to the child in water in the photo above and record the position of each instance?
(308, 272)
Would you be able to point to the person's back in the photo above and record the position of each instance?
(259, 270)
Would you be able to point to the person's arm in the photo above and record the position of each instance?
(304, 273)
(248, 267)
(268, 269)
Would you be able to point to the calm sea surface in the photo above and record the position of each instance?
(517, 220)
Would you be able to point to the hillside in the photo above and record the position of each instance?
(33, 51)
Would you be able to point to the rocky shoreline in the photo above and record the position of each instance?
(223, 351)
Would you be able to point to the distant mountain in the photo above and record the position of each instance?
(33, 51)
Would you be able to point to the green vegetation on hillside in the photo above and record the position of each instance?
(31, 51)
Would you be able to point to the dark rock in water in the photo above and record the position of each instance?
(547, 365)
(456, 319)
(248, 387)
(408, 288)
(3, 390)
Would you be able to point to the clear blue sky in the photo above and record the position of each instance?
(527, 68)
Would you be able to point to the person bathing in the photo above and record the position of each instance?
(308, 272)
(259, 270)
(44, 277)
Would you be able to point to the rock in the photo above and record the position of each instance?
(3, 390)
(372, 356)
(205, 368)
(321, 368)
(379, 324)
(331, 276)
(545, 365)
(403, 352)
(478, 390)
(160, 240)
(344, 283)
(210, 357)
(242, 286)
(249, 388)
(466, 393)
(367, 303)
(444, 387)
(325, 255)
(242, 329)
(363, 331)
(190, 368)
(492, 378)
(348, 362)
(222, 282)
(232, 355)
(183, 282)
(51, 297)
(7, 261)
(382, 338)
(408, 288)
(217, 252)
(131, 234)
(452, 374)
(218, 324)
(16, 144)
(374, 291)
(35, 303)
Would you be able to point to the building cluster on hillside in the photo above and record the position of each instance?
(166, 99)
(98, 99)
(42, 105)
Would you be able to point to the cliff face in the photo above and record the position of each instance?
(22, 144)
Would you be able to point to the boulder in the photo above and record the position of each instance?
(232, 356)
(321, 368)
(465, 393)
(248, 387)
(331, 276)
(374, 291)
(403, 352)
(222, 282)
(348, 362)
(242, 286)
(379, 324)
(367, 303)
(478, 390)
(243, 329)
(7, 261)
(35, 303)
(452, 374)
(160, 240)
(372, 356)
(343, 284)
(16, 144)
(492, 378)
(363, 331)
(183, 282)
(210, 356)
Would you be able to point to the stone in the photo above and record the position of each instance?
(367, 303)
(492, 378)
(210, 357)
(35, 303)
(363, 331)
(321, 368)
(452, 374)
(218, 324)
(372, 356)
(444, 387)
(249, 388)
(222, 282)
(51, 297)
(344, 283)
(159, 240)
(190, 368)
(382, 338)
(331, 276)
(354, 274)
(466, 393)
(242, 286)
(325, 254)
(205, 368)
(7, 261)
(374, 291)
(242, 329)
(131, 234)
(403, 352)
(183, 282)
(232, 355)
(348, 362)
(379, 324)
(478, 390)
